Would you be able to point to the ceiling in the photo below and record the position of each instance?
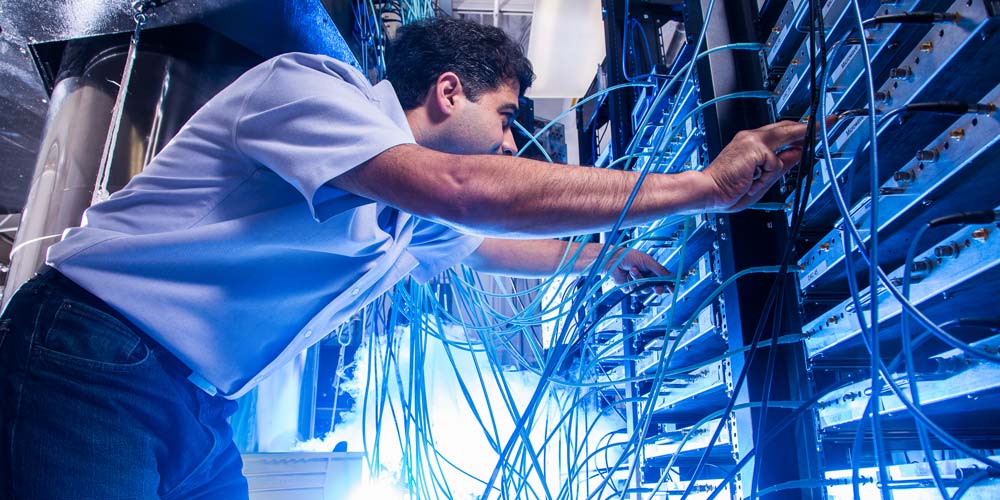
(504, 6)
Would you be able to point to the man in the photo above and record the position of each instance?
(294, 197)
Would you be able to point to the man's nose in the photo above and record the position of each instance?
(508, 146)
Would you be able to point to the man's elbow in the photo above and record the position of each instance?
(461, 200)
(465, 193)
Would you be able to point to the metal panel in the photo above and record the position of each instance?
(980, 252)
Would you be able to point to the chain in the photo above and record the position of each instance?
(336, 386)
(139, 9)
(344, 338)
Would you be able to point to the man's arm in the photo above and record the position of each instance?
(542, 258)
(516, 197)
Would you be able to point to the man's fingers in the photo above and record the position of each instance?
(778, 135)
(635, 273)
(778, 124)
(657, 269)
(772, 168)
(619, 275)
(791, 133)
(790, 157)
(794, 144)
(642, 266)
(788, 133)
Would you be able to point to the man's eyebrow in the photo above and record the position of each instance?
(508, 107)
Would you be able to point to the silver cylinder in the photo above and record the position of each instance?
(178, 70)
(65, 172)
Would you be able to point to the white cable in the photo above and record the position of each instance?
(19, 246)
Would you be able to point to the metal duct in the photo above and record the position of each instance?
(175, 73)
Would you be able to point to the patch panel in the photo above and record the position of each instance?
(921, 77)
(980, 252)
(808, 333)
(696, 284)
(669, 251)
(791, 91)
(918, 478)
(920, 190)
(675, 490)
(687, 440)
(699, 342)
(694, 394)
(928, 165)
(886, 44)
(850, 404)
(785, 35)
(673, 153)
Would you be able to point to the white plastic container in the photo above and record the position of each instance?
(302, 475)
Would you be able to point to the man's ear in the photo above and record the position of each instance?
(446, 92)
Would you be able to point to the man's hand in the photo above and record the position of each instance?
(636, 265)
(751, 163)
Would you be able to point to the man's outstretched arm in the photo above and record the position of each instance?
(520, 198)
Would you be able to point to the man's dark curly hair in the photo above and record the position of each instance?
(483, 57)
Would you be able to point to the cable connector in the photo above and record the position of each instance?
(792, 338)
(976, 217)
(967, 472)
(944, 107)
(953, 107)
(919, 17)
(984, 109)
(855, 112)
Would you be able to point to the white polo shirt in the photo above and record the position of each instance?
(232, 250)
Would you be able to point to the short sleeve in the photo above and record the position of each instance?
(437, 247)
(309, 124)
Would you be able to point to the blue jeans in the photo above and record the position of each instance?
(94, 409)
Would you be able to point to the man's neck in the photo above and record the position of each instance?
(418, 121)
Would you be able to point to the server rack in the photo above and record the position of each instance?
(778, 399)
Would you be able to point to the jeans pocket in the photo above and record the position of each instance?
(83, 336)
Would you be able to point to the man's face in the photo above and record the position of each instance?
(484, 126)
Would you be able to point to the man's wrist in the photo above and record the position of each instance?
(699, 192)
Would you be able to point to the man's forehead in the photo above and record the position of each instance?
(508, 95)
